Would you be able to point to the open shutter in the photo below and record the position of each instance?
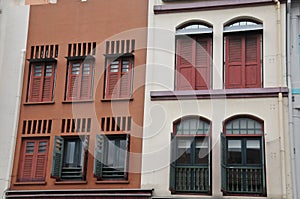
(202, 63)
(234, 62)
(263, 164)
(27, 161)
(173, 164)
(185, 71)
(127, 156)
(86, 80)
(99, 155)
(36, 83)
(41, 160)
(223, 162)
(74, 80)
(252, 56)
(47, 92)
(113, 75)
(85, 147)
(125, 78)
(57, 160)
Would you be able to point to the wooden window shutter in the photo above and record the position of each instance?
(234, 62)
(74, 80)
(36, 83)
(57, 159)
(172, 185)
(185, 63)
(223, 162)
(126, 166)
(252, 65)
(86, 80)
(113, 76)
(48, 82)
(202, 63)
(27, 161)
(41, 160)
(99, 155)
(125, 80)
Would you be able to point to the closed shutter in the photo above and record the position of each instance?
(99, 156)
(223, 162)
(86, 80)
(127, 156)
(41, 160)
(202, 63)
(57, 159)
(36, 83)
(74, 80)
(27, 161)
(125, 78)
(185, 71)
(173, 158)
(234, 62)
(48, 82)
(113, 75)
(252, 56)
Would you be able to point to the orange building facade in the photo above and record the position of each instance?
(80, 126)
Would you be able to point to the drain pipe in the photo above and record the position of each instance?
(289, 83)
(280, 102)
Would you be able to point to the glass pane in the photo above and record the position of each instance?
(193, 126)
(114, 66)
(70, 153)
(116, 154)
(253, 152)
(38, 70)
(86, 68)
(29, 147)
(125, 66)
(201, 151)
(75, 69)
(234, 153)
(184, 151)
(186, 127)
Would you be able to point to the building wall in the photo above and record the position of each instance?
(13, 24)
(160, 114)
(68, 22)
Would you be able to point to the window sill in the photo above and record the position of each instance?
(70, 182)
(38, 103)
(113, 182)
(30, 183)
(117, 100)
(218, 93)
(77, 101)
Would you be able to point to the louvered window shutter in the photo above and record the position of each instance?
(27, 161)
(126, 166)
(57, 159)
(99, 156)
(113, 76)
(85, 146)
(41, 160)
(74, 80)
(48, 83)
(185, 63)
(234, 62)
(223, 162)
(263, 163)
(86, 80)
(36, 83)
(173, 158)
(125, 78)
(202, 63)
(252, 56)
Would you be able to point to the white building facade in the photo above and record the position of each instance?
(216, 102)
(14, 25)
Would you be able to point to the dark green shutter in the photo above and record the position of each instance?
(223, 161)
(99, 155)
(263, 163)
(85, 146)
(172, 163)
(127, 156)
(57, 160)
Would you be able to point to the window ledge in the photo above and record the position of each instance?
(117, 99)
(30, 183)
(218, 94)
(38, 103)
(77, 101)
(70, 182)
(113, 182)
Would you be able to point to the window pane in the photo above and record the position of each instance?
(114, 66)
(234, 155)
(201, 151)
(253, 152)
(38, 70)
(116, 155)
(72, 153)
(184, 151)
(75, 69)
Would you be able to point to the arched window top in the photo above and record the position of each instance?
(243, 25)
(194, 28)
(192, 126)
(243, 126)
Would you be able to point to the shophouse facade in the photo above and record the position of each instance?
(80, 127)
(216, 100)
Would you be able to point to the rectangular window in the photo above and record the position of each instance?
(243, 60)
(70, 158)
(33, 160)
(41, 82)
(80, 76)
(111, 159)
(118, 78)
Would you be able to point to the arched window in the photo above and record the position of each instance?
(193, 57)
(190, 152)
(243, 54)
(242, 146)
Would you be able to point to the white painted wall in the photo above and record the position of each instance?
(160, 115)
(13, 25)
